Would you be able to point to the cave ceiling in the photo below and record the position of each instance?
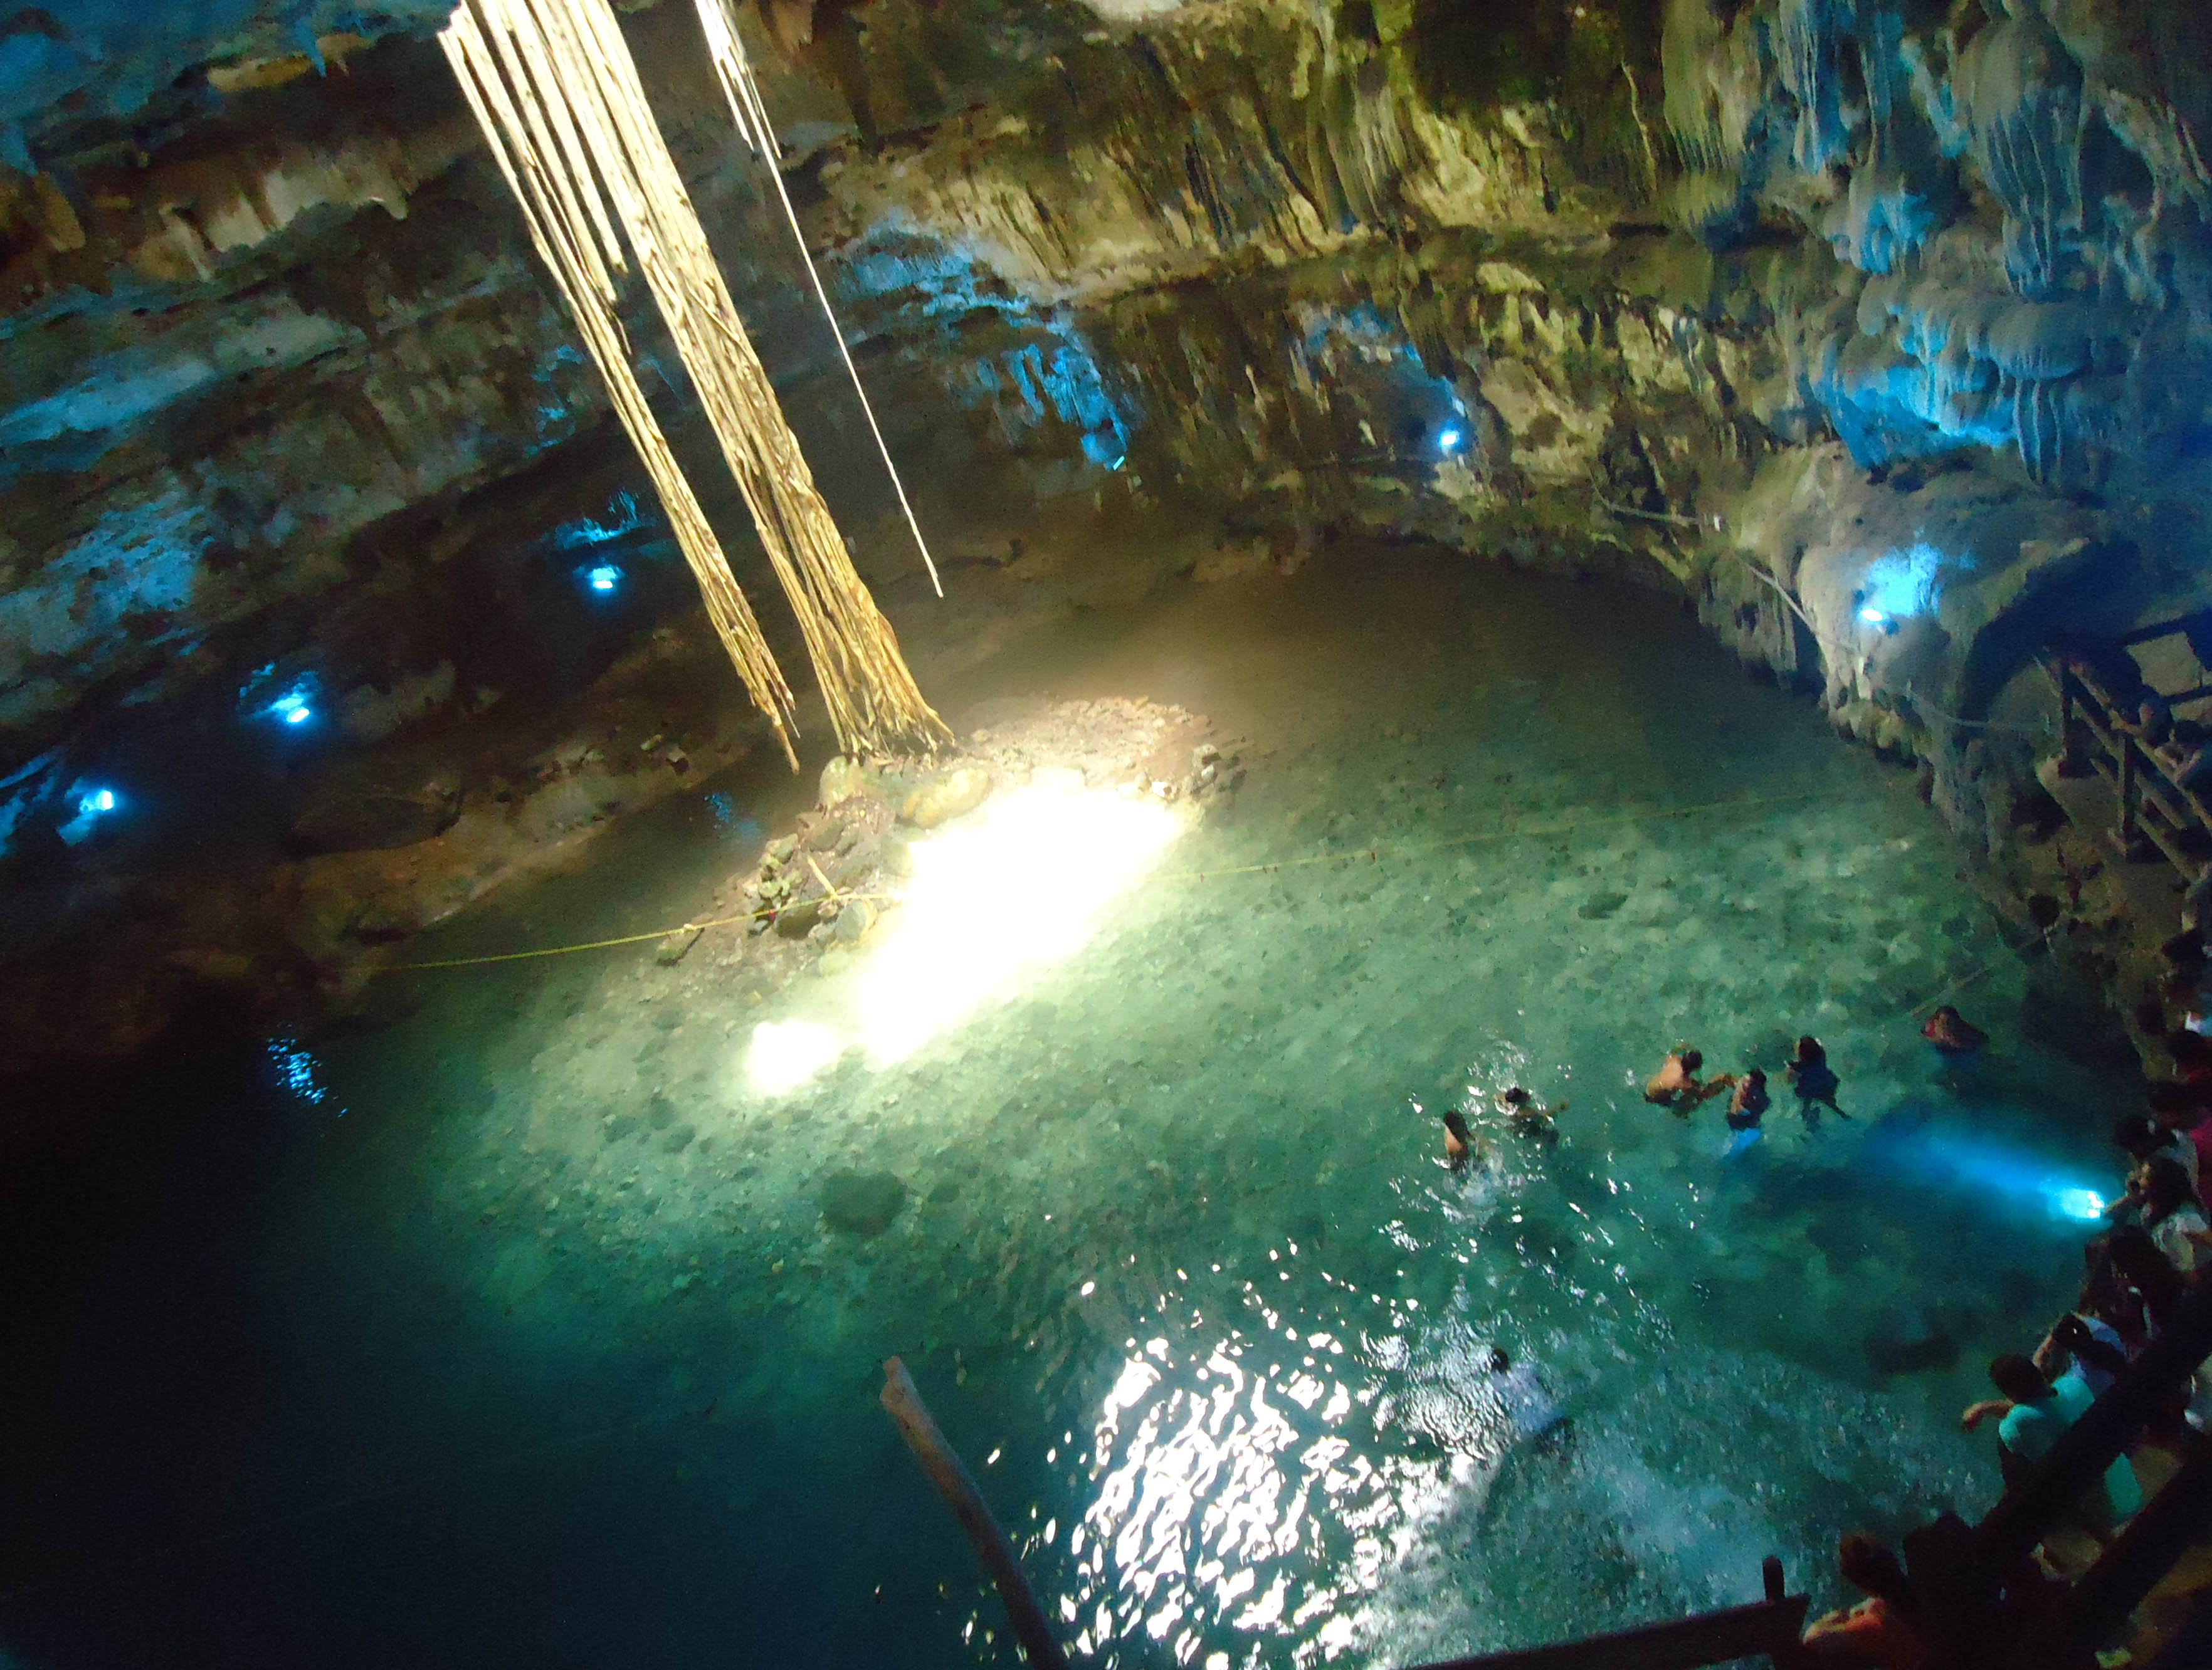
(1838, 283)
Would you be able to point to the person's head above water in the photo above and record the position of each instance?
(2018, 1379)
(1756, 1079)
(1692, 1060)
(1499, 1362)
(1809, 1050)
(1515, 1096)
(1455, 1122)
(1871, 1568)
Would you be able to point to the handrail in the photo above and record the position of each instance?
(1769, 1628)
(2084, 701)
(2078, 1459)
(2170, 1523)
(1961, 1582)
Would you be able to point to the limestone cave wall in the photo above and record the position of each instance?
(1875, 332)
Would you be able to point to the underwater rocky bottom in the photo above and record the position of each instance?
(542, 1324)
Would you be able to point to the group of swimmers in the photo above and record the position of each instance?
(1677, 1088)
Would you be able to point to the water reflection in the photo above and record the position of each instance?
(1251, 1489)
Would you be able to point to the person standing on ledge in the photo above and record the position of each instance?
(2033, 1412)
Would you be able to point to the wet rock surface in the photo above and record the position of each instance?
(1762, 305)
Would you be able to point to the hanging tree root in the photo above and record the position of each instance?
(553, 86)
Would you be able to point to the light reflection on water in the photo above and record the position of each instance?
(1251, 1488)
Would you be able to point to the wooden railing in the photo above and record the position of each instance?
(1971, 1625)
(2156, 811)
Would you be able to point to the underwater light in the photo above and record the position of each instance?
(2084, 1205)
(1873, 616)
(602, 578)
(97, 801)
(1449, 440)
(293, 709)
(1997, 1171)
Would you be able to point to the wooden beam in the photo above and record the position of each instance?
(942, 1465)
(2137, 1558)
(1769, 1629)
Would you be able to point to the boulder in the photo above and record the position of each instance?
(945, 795)
(862, 1203)
(349, 813)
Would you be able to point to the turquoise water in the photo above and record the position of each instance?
(510, 1332)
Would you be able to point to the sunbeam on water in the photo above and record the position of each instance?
(1021, 885)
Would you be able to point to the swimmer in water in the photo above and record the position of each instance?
(1953, 1033)
(1747, 1104)
(1525, 1116)
(1458, 1141)
(1815, 1080)
(1676, 1085)
(1532, 1410)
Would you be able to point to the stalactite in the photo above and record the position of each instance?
(1808, 40)
(2027, 107)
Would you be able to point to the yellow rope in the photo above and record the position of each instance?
(1373, 854)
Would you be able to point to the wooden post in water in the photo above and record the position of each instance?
(937, 1459)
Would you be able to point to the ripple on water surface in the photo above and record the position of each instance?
(1174, 1260)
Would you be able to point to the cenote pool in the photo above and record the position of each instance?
(509, 1332)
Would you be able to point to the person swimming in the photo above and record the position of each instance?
(1677, 1087)
(1534, 1412)
(1525, 1116)
(1814, 1079)
(1459, 1142)
(1953, 1033)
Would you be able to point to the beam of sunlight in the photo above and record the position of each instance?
(1002, 893)
(1021, 885)
(785, 1055)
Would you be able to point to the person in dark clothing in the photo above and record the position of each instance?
(1814, 1080)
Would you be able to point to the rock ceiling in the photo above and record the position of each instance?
(1905, 305)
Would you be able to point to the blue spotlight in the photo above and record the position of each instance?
(2084, 1205)
(94, 802)
(605, 578)
(292, 709)
(1447, 440)
(1873, 616)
